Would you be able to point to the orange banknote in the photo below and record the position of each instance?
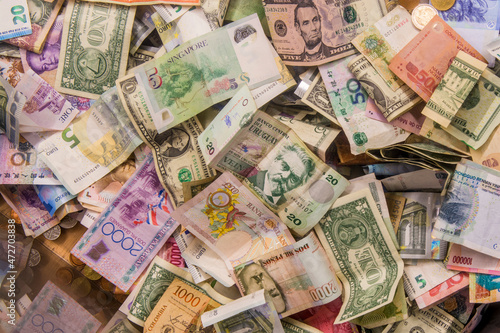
(422, 63)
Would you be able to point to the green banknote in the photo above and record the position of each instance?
(94, 47)
(480, 112)
(452, 90)
(178, 158)
(157, 279)
(276, 165)
(207, 70)
(363, 255)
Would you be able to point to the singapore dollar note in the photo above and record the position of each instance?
(310, 33)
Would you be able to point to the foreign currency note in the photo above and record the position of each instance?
(45, 109)
(458, 306)
(395, 205)
(443, 290)
(318, 139)
(297, 277)
(350, 102)
(391, 103)
(203, 257)
(11, 69)
(424, 276)
(359, 246)
(380, 42)
(100, 194)
(484, 288)
(45, 62)
(464, 259)
(395, 311)
(317, 98)
(483, 15)
(177, 309)
(453, 89)
(7, 50)
(157, 279)
(432, 320)
(171, 148)
(183, 238)
(92, 145)
(22, 165)
(94, 47)
(53, 308)
(24, 200)
(130, 231)
(43, 13)
(254, 310)
(53, 196)
(294, 326)
(142, 27)
(323, 317)
(17, 22)
(11, 104)
(414, 232)
(489, 153)
(468, 215)
(274, 162)
(212, 67)
(232, 222)
(191, 24)
(314, 33)
(421, 69)
(479, 115)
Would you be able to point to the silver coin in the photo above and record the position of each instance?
(53, 233)
(34, 258)
(68, 222)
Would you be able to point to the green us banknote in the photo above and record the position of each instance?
(363, 255)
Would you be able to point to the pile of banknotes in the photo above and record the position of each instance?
(248, 166)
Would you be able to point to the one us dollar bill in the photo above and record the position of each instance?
(94, 47)
(454, 88)
(178, 157)
(363, 255)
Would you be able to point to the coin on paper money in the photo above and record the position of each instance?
(53, 233)
(442, 4)
(81, 287)
(422, 14)
(68, 222)
(64, 276)
(90, 274)
(34, 258)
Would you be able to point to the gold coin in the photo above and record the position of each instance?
(104, 297)
(81, 287)
(75, 261)
(64, 276)
(108, 286)
(409, 4)
(442, 4)
(91, 274)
